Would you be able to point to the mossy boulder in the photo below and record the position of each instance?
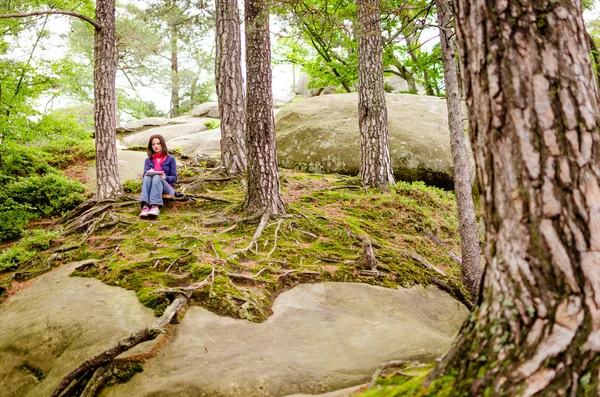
(321, 134)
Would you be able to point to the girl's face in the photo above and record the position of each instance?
(156, 146)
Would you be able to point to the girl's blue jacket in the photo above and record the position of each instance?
(169, 167)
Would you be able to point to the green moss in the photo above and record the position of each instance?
(316, 244)
(123, 371)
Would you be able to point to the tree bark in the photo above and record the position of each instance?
(263, 195)
(375, 164)
(174, 29)
(535, 127)
(108, 185)
(230, 87)
(469, 232)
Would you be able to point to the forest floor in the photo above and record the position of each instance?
(204, 246)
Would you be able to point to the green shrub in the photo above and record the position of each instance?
(212, 124)
(65, 151)
(48, 195)
(12, 222)
(20, 161)
(132, 186)
(34, 241)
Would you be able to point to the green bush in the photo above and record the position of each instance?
(20, 161)
(34, 241)
(212, 124)
(48, 195)
(63, 152)
(12, 222)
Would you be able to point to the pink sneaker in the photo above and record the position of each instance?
(154, 211)
(144, 213)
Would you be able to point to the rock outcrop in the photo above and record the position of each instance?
(320, 337)
(321, 134)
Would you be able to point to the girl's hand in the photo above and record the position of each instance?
(163, 176)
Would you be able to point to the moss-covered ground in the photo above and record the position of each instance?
(318, 240)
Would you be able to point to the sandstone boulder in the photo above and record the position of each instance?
(321, 337)
(205, 108)
(137, 125)
(321, 134)
(184, 127)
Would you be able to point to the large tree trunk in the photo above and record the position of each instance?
(108, 185)
(469, 232)
(375, 163)
(174, 29)
(263, 186)
(535, 128)
(230, 87)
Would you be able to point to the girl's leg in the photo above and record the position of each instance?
(156, 190)
(146, 188)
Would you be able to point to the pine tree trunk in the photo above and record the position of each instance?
(469, 232)
(230, 87)
(174, 68)
(535, 127)
(263, 186)
(108, 185)
(375, 165)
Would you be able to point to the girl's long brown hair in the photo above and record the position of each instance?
(163, 145)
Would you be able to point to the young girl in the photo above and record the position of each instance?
(160, 173)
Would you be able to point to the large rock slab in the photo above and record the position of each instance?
(56, 324)
(184, 127)
(131, 166)
(321, 134)
(136, 125)
(321, 337)
(210, 109)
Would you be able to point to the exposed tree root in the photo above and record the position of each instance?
(228, 221)
(202, 196)
(98, 380)
(89, 215)
(456, 292)
(261, 227)
(104, 359)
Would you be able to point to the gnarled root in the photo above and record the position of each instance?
(103, 360)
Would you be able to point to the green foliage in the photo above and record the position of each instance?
(132, 186)
(18, 161)
(34, 240)
(212, 124)
(47, 195)
(31, 188)
(63, 152)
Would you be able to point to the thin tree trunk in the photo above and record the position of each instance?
(174, 29)
(411, 53)
(263, 194)
(402, 70)
(535, 127)
(469, 232)
(230, 87)
(375, 165)
(108, 185)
